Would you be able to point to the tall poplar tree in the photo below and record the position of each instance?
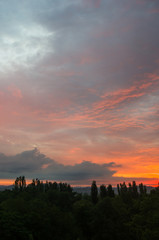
(94, 192)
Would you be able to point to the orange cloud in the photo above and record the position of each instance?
(113, 99)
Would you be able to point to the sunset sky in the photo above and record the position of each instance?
(79, 90)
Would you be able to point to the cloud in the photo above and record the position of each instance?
(84, 171)
(28, 161)
(80, 75)
(34, 164)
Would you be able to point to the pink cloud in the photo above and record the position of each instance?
(16, 92)
(154, 10)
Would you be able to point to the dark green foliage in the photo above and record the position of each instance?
(83, 212)
(53, 211)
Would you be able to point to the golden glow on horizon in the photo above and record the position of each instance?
(7, 182)
(148, 182)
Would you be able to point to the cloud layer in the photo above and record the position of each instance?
(34, 164)
(79, 80)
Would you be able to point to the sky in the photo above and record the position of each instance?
(79, 90)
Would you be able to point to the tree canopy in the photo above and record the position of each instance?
(53, 210)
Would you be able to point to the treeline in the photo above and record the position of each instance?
(53, 211)
(39, 186)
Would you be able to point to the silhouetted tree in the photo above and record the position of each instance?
(110, 191)
(20, 183)
(94, 192)
(118, 189)
(103, 191)
(130, 189)
(55, 186)
(142, 189)
(134, 190)
(123, 188)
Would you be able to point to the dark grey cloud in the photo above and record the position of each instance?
(119, 39)
(119, 35)
(34, 164)
(80, 172)
(28, 161)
